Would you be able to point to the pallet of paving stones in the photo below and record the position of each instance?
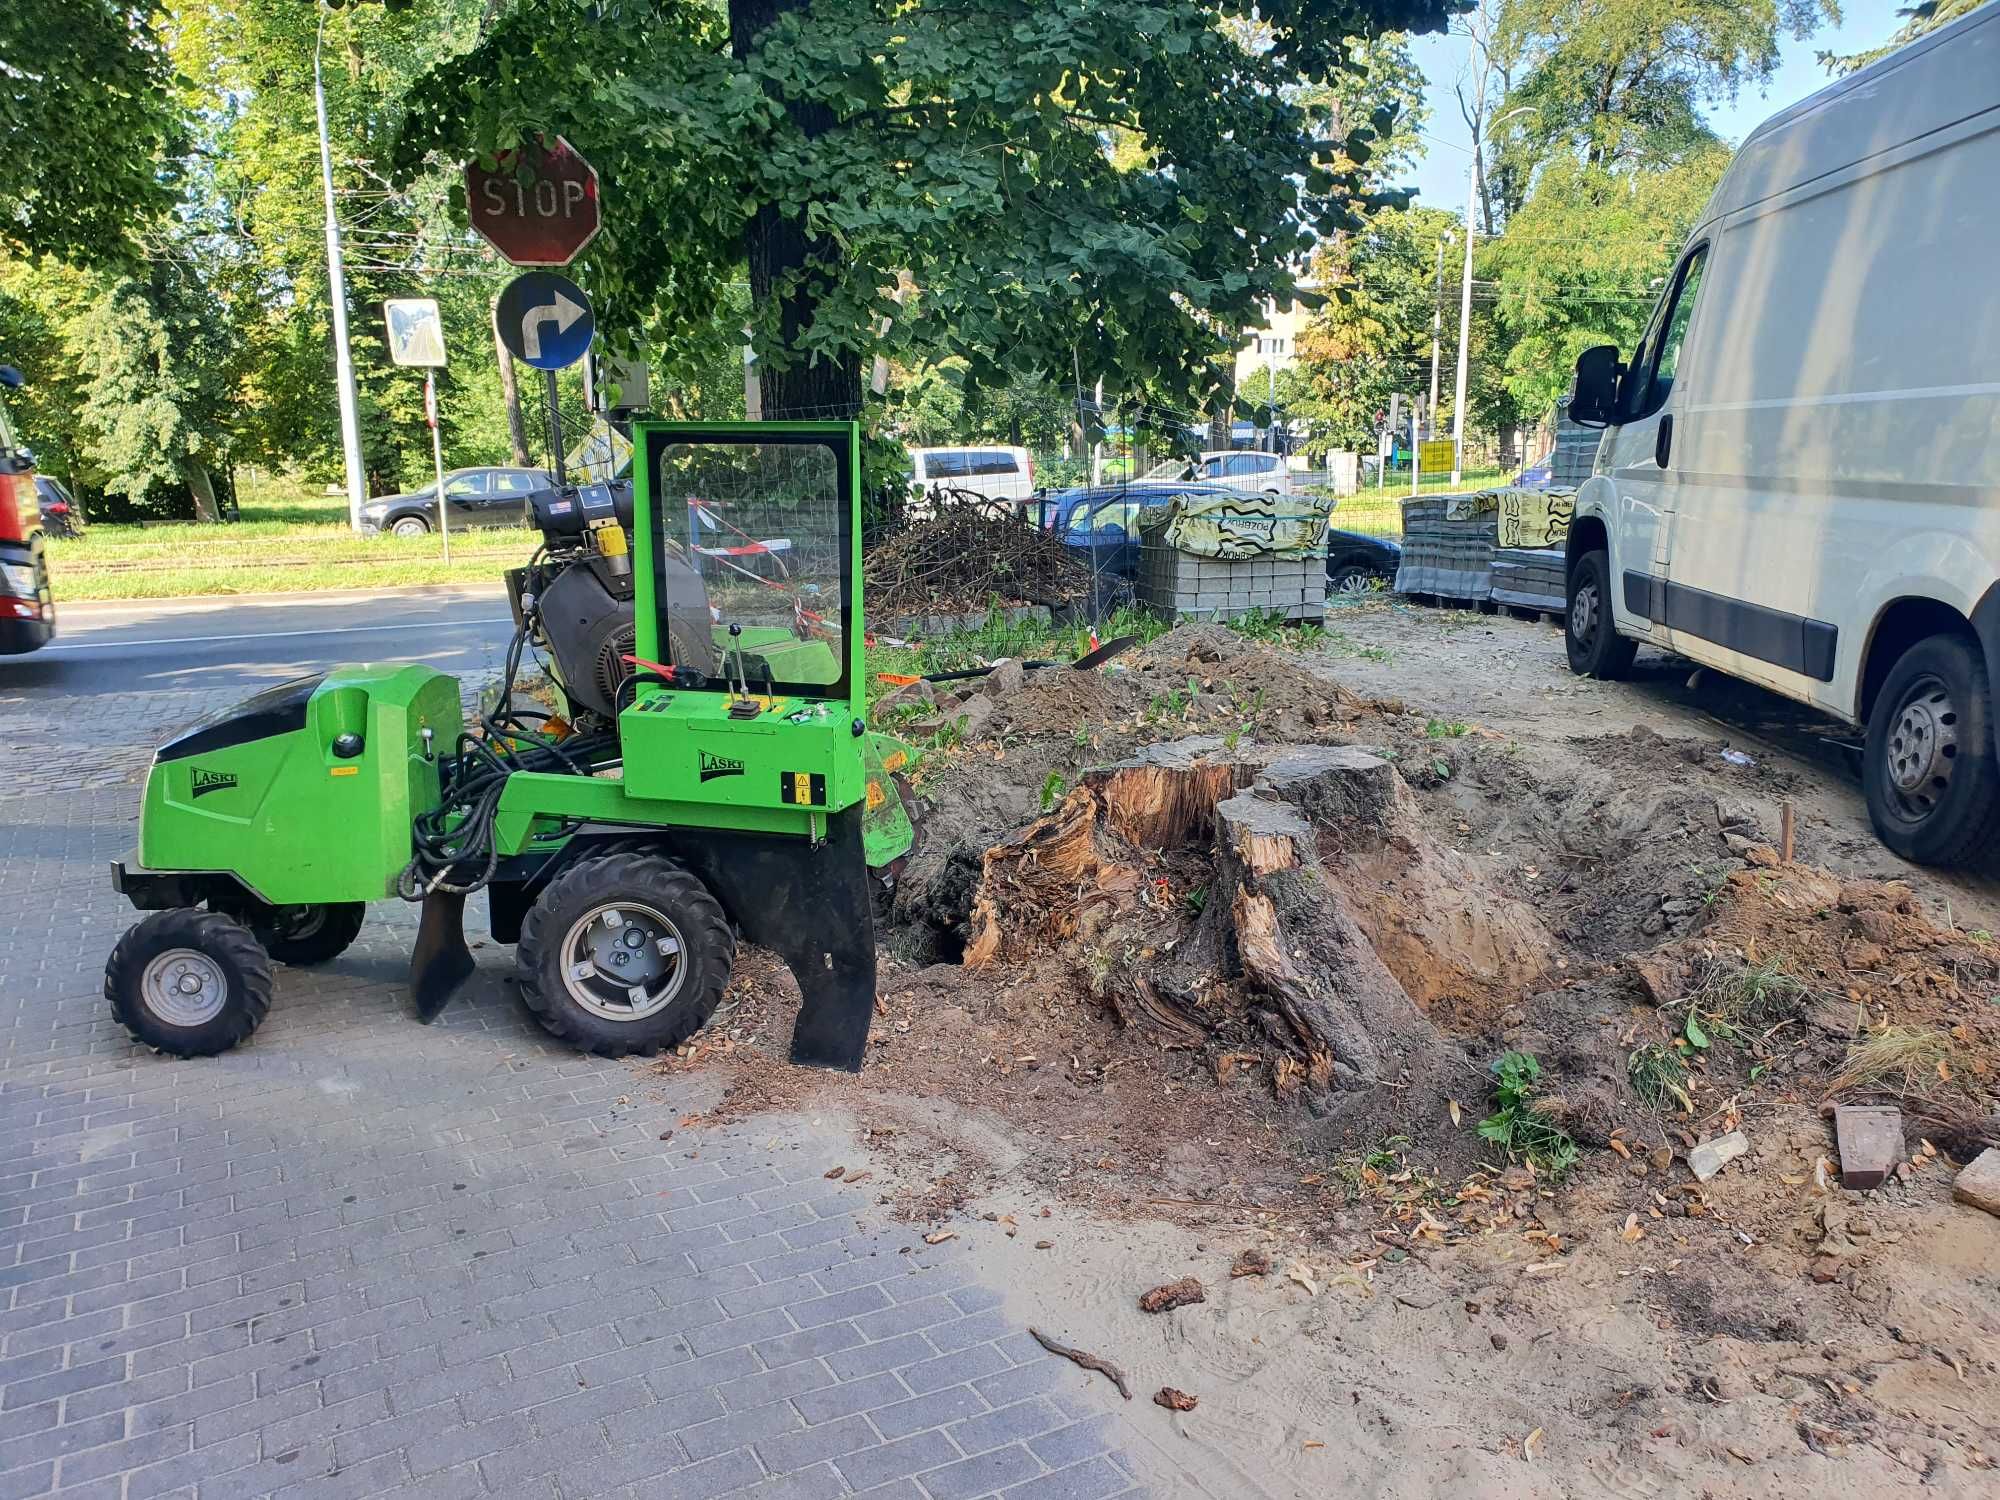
(1530, 579)
(1451, 559)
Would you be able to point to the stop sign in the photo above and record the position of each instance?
(538, 206)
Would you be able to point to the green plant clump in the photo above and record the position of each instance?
(1520, 1126)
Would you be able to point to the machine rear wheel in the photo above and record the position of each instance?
(189, 983)
(303, 935)
(623, 953)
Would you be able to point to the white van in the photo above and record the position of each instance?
(1006, 474)
(1800, 480)
(1238, 469)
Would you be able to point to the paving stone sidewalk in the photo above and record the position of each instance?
(361, 1257)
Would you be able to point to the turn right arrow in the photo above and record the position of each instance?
(562, 312)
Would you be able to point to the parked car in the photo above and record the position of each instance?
(1005, 474)
(1265, 473)
(473, 497)
(61, 515)
(1798, 482)
(1357, 563)
(27, 605)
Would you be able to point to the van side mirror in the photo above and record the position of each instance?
(1594, 398)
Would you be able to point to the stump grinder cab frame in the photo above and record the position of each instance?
(705, 770)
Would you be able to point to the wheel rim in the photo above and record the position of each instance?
(409, 528)
(1350, 583)
(184, 987)
(623, 961)
(1921, 747)
(296, 923)
(1583, 612)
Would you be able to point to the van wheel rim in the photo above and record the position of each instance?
(184, 987)
(1922, 747)
(623, 961)
(1583, 613)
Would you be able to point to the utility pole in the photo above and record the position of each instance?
(1437, 329)
(336, 279)
(1465, 294)
(1464, 323)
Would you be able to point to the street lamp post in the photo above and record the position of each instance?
(1465, 298)
(1437, 329)
(336, 277)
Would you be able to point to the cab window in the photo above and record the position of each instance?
(1658, 357)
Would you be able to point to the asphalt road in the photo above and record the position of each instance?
(232, 648)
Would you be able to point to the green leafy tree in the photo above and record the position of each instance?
(158, 356)
(1372, 338)
(1622, 83)
(1918, 20)
(89, 127)
(1582, 263)
(1088, 181)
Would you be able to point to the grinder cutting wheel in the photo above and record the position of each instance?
(710, 774)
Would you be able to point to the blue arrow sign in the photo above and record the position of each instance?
(544, 320)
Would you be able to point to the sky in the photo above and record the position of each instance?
(1440, 176)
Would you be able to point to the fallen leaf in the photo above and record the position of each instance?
(1531, 1442)
(833, 1172)
(1300, 1272)
(1454, 1113)
(941, 1236)
(1738, 1454)
(1632, 1232)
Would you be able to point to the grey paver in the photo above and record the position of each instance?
(359, 1256)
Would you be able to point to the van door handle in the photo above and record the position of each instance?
(1663, 442)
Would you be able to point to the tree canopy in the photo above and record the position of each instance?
(90, 126)
(1065, 181)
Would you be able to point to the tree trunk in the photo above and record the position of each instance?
(517, 429)
(792, 268)
(202, 488)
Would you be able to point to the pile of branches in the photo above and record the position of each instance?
(965, 553)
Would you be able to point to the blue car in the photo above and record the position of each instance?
(1099, 522)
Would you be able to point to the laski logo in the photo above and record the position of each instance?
(212, 781)
(713, 766)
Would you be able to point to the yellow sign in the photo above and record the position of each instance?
(1437, 455)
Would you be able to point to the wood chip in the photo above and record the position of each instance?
(1256, 1261)
(1078, 1357)
(1174, 1400)
(833, 1172)
(941, 1236)
(1173, 1294)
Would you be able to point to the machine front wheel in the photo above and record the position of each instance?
(624, 953)
(189, 983)
(302, 935)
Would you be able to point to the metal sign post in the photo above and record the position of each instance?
(416, 337)
(437, 458)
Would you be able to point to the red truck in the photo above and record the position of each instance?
(27, 609)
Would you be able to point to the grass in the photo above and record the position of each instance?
(1521, 1126)
(1910, 1062)
(288, 540)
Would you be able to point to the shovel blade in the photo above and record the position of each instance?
(441, 961)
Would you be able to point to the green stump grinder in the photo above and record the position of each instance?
(705, 771)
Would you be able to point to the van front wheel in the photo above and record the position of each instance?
(1929, 773)
(1595, 647)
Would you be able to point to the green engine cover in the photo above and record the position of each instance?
(263, 792)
